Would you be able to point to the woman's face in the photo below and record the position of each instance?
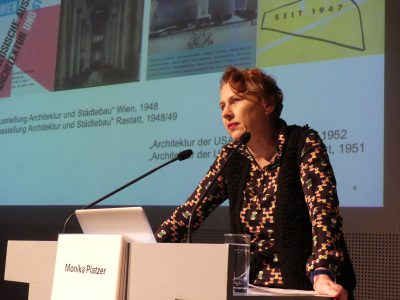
(243, 114)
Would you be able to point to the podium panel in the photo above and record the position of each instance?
(32, 262)
(178, 271)
(156, 271)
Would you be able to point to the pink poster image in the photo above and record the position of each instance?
(28, 49)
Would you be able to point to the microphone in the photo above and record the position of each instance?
(185, 154)
(243, 140)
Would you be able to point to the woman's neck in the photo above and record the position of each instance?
(263, 147)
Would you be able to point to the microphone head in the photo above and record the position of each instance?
(245, 138)
(185, 154)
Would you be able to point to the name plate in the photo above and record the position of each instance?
(90, 266)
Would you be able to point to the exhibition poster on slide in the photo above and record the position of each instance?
(95, 93)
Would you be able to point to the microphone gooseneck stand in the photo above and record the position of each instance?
(180, 156)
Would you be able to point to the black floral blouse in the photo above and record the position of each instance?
(258, 208)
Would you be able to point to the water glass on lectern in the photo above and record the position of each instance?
(241, 261)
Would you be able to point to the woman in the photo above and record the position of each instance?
(281, 190)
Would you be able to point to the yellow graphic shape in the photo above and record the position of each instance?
(314, 30)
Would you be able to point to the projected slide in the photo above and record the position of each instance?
(195, 37)
(29, 48)
(311, 30)
(96, 93)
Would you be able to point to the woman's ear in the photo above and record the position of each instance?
(268, 106)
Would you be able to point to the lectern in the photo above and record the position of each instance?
(155, 272)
